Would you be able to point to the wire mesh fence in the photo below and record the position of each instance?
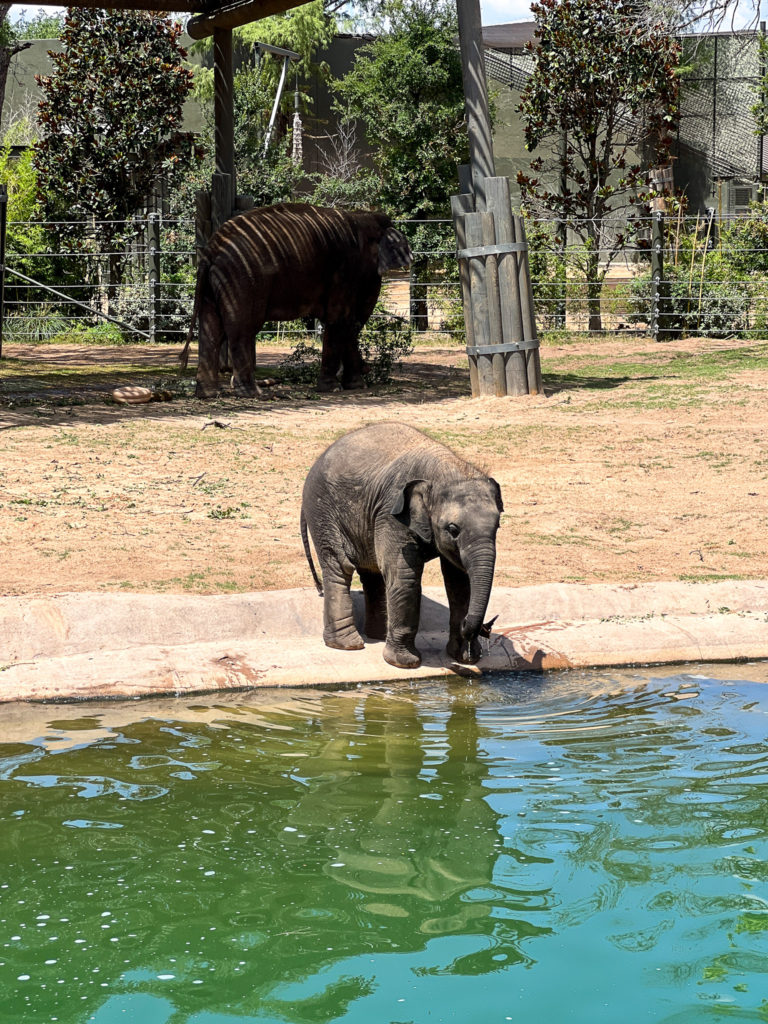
(135, 280)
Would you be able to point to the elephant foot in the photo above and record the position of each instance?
(463, 652)
(327, 384)
(245, 390)
(349, 641)
(355, 384)
(401, 656)
(206, 390)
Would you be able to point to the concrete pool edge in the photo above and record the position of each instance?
(102, 645)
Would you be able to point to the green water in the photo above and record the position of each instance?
(565, 848)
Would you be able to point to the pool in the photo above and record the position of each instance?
(574, 847)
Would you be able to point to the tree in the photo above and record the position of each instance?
(10, 44)
(111, 119)
(603, 95)
(406, 90)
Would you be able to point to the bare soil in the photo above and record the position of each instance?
(640, 462)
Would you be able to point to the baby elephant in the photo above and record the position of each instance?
(382, 501)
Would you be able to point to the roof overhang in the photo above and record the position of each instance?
(207, 15)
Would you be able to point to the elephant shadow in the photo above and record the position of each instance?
(433, 619)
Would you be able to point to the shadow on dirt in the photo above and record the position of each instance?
(555, 383)
(76, 384)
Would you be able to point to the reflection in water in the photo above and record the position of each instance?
(513, 850)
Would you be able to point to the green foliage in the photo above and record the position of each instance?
(746, 241)
(111, 116)
(43, 25)
(705, 300)
(304, 29)
(605, 84)
(406, 89)
(384, 342)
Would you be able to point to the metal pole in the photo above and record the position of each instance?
(475, 95)
(153, 237)
(276, 104)
(3, 225)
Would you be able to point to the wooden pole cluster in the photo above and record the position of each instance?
(502, 343)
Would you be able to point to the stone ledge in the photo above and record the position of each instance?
(87, 646)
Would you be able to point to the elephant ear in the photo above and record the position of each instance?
(496, 494)
(394, 251)
(410, 509)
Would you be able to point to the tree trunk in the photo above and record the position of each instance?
(594, 291)
(7, 52)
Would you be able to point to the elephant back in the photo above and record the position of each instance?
(293, 234)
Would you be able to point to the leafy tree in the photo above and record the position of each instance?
(43, 25)
(110, 120)
(604, 91)
(406, 90)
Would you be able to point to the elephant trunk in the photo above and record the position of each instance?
(480, 572)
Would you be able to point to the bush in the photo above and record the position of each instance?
(722, 309)
(384, 342)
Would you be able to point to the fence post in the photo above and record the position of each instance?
(3, 227)
(658, 305)
(153, 239)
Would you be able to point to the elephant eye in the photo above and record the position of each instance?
(453, 529)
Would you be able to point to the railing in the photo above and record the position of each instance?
(664, 276)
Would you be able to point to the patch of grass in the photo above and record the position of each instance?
(709, 577)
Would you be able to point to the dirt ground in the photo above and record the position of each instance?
(640, 462)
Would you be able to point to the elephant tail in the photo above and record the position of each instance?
(202, 280)
(308, 553)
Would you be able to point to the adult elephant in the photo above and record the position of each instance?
(382, 501)
(284, 262)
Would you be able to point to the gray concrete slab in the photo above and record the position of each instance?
(104, 645)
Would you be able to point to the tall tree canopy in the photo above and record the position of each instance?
(111, 114)
(406, 90)
(602, 98)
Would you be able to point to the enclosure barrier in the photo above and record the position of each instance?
(676, 276)
(501, 339)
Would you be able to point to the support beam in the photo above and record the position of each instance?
(224, 108)
(234, 15)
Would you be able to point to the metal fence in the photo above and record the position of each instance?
(668, 275)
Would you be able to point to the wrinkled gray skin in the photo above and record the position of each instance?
(285, 262)
(382, 501)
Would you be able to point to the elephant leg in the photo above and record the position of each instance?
(375, 605)
(211, 334)
(242, 349)
(403, 610)
(351, 360)
(339, 629)
(457, 587)
(330, 361)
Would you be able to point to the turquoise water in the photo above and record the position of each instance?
(576, 847)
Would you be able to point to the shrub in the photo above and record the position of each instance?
(384, 342)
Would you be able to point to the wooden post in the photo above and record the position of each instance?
(530, 336)
(203, 222)
(224, 109)
(475, 95)
(473, 225)
(499, 203)
(460, 205)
